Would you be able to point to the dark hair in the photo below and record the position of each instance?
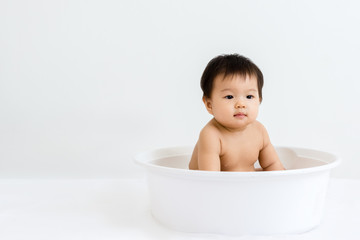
(229, 65)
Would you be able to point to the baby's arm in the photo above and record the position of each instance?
(268, 158)
(209, 150)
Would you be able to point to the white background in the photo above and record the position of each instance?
(85, 85)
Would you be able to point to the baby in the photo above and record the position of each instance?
(233, 140)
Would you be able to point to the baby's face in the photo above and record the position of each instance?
(234, 101)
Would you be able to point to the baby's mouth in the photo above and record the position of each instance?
(240, 115)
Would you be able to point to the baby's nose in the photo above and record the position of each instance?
(240, 104)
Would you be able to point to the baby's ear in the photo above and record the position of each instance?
(208, 104)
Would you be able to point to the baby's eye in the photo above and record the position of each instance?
(249, 96)
(229, 97)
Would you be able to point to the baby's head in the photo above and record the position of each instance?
(232, 87)
(230, 65)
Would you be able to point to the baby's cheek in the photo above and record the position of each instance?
(255, 113)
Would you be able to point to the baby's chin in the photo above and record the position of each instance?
(235, 126)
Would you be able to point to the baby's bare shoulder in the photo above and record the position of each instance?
(262, 132)
(209, 139)
(258, 127)
(210, 130)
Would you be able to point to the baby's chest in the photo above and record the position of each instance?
(240, 153)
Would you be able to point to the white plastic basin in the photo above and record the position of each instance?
(238, 203)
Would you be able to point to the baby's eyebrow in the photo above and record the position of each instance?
(226, 89)
(229, 89)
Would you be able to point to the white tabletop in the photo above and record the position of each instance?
(120, 209)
